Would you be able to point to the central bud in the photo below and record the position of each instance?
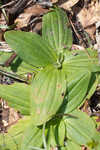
(60, 60)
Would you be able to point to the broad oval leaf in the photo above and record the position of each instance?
(31, 48)
(80, 71)
(77, 86)
(56, 30)
(32, 137)
(18, 96)
(47, 94)
(77, 90)
(81, 128)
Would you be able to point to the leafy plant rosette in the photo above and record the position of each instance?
(62, 81)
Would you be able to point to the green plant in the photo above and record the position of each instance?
(63, 79)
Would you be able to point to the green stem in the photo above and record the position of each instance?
(44, 140)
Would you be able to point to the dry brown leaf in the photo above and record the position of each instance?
(84, 148)
(68, 4)
(13, 116)
(24, 18)
(54, 1)
(2, 22)
(89, 16)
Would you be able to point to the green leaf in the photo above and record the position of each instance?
(77, 90)
(97, 139)
(47, 94)
(80, 72)
(31, 48)
(18, 69)
(56, 134)
(92, 85)
(90, 53)
(63, 148)
(70, 145)
(21, 68)
(13, 138)
(18, 96)
(32, 137)
(17, 66)
(60, 133)
(81, 128)
(81, 60)
(4, 56)
(77, 86)
(51, 141)
(56, 30)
